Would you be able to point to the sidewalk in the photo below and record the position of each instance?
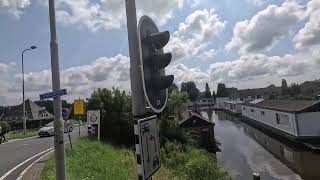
(35, 170)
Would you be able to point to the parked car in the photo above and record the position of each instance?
(48, 130)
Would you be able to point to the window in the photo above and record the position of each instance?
(252, 110)
(262, 113)
(282, 119)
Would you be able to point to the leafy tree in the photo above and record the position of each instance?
(213, 95)
(116, 118)
(207, 92)
(173, 87)
(191, 89)
(170, 116)
(284, 86)
(222, 90)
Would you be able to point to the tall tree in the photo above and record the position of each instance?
(191, 89)
(222, 90)
(207, 92)
(284, 86)
(213, 95)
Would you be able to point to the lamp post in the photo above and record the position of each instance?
(23, 106)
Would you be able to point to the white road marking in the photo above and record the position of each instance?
(19, 165)
(24, 171)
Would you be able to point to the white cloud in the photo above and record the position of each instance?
(310, 34)
(184, 74)
(14, 7)
(259, 69)
(195, 34)
(110, 14)
(266, 28)
(80, 80)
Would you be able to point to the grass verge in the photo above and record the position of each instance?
(189, 162)
(97, 161)
(21, 135)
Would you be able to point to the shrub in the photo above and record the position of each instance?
(189, 162)
(5, 127)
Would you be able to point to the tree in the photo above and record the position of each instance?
(173, 87)
(222, 90)
(284, 86)
(191, 89)
(213, 95)
(116, 117)
(207, 92)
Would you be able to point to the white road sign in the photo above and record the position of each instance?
(93, 117)
(150, 146)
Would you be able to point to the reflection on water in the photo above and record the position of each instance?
(246, 149)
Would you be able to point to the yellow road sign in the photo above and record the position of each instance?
(78, 106)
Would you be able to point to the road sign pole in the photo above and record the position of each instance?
(138, 101)
(58, 122)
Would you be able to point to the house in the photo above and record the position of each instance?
(33, 112)
(202, 102)
(295, 119)
(233, 106)
(295, 157)
(220, 102)
(203, 127)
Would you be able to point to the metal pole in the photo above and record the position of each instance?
(58, 121)
(138, 101)
(23, 103)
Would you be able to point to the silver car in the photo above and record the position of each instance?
(48, 130)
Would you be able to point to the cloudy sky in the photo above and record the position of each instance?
(245, 44)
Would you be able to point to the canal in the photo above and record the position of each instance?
(245, 149)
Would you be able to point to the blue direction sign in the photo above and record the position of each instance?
(53, 94)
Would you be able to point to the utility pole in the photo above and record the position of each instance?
(58, 121)
(138, 101)
(24, 118)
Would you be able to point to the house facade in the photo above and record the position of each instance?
(294, 118)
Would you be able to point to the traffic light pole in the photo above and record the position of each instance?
(138, 101)
(58, 121)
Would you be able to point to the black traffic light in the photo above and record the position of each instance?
(153, 61)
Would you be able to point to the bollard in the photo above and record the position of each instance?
(256, 176)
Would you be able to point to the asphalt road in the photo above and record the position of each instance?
(14, 153)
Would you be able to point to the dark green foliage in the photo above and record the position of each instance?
(191, 89)
(207, 93)
(222, 90)
(116, 116)
(5, 127)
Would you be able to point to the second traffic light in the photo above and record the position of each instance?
(154, 61)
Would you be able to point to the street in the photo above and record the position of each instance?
(12, 154)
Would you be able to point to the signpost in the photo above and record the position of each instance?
(93, 120)
(149, 146)
(78, 107)
(53, 94)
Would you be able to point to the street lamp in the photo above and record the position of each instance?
(24, 107)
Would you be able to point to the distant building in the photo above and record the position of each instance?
(295, 119)
(33, 112)
(220, 102)
(270, 92)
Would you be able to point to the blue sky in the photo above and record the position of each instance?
(246, 43)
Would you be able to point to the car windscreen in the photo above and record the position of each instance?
(50, 124)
